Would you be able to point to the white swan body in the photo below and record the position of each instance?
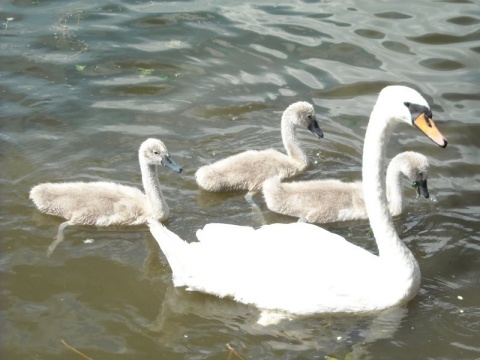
(108, 203)
(298, 268)
(324, 201)
(248, 170)
(301, 268)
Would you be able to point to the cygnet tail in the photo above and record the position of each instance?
(218, 177)
(272, 187)
(272, 183)
(175, 249)
(206, 178)
(42, 197)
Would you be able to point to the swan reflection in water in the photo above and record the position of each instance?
(181, 310)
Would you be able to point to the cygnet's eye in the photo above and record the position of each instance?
(156, 152)
(309, 117)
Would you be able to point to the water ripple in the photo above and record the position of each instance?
(83, 84)
(444, 39)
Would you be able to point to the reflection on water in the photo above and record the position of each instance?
(309, 337)
(84, 83)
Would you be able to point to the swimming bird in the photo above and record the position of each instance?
(108, 203)
(249, 169)
(299, 268)
(324, 201)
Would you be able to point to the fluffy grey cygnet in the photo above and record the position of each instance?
(108, 203)
(324, 201)
(248, 170)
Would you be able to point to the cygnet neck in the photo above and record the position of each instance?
(158, 206)
(394, 186)
(290, 141)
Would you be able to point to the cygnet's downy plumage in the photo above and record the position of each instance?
(324, 201)
(248, 170)
(108, 203)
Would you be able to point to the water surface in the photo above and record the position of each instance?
(84, 83)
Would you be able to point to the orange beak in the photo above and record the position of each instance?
(427, 126)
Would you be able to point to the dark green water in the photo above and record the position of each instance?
(83, 83)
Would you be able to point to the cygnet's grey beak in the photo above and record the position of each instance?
(314, 128)
(422, 188)
(172, 165)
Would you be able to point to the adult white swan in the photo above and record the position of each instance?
(108, 203)
(249, 169)
(324, 201)
(301, 268)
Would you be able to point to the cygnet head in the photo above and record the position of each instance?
(402, 103)
(154, 152)
(302, 114)
(415, 168)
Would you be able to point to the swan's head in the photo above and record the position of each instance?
(415, 168)
(404, 104)
(154, 152)
(302, 114)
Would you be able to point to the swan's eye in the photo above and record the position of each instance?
(156, 153)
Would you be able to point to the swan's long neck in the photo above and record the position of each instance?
(158, 206)
(378, 133)
(394, 188)
(290, 141)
